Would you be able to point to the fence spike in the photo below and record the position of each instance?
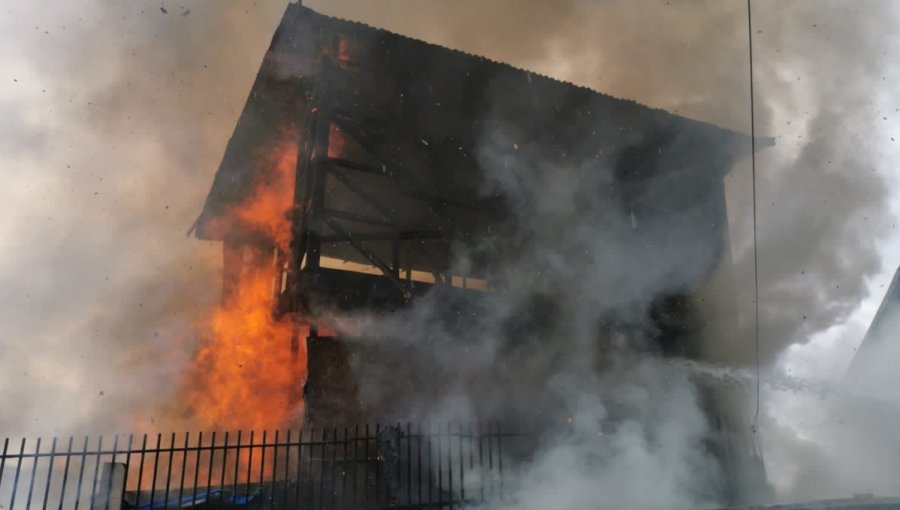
(62, 490)
(137, 498)
(12, 499)
(197, 467)
(184, 455)
(155, 469)
(112, 467)
(441, 467)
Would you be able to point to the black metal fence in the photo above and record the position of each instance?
(368, 466)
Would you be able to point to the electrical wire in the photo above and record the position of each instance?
(753, 188)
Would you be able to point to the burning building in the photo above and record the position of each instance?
(371, 174)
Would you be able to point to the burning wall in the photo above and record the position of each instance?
(249, 372)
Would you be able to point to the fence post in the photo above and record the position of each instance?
(111, 487)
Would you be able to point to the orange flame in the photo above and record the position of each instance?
(247, 375)
(267, 210)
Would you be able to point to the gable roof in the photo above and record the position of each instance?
(446, 112)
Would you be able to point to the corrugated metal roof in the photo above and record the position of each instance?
(441, 108)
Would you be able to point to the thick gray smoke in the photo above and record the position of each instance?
(824, 192)
(823, 75)
(115, 116)
(841, 445)
(569, 329)
(821, 191)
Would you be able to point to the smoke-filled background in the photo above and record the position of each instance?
(114, 116)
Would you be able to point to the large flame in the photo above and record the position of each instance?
(267, 210)
(247, 375)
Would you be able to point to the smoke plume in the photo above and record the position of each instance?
(114, 119)
(115, 116)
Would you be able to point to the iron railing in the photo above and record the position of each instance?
(369, 466)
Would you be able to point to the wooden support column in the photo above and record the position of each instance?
(395, 258)
(309, 186)
(318, 169)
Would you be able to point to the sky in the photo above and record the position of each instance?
(114, 116)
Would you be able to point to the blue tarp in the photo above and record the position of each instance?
(200, 498)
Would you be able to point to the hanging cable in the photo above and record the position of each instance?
(753, 188)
